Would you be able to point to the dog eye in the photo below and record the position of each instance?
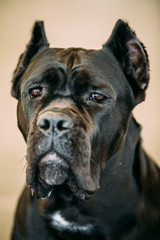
(97, 97)
(35, 92)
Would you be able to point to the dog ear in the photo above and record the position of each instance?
(38, 42)
(132, 56)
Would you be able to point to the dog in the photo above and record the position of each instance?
(88, 173)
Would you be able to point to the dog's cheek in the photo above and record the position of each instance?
(82, 169)
(22, 120)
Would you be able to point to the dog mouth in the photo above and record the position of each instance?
(50, 171)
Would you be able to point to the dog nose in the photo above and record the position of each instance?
(54, 122)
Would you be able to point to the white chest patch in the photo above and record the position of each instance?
(59, 223)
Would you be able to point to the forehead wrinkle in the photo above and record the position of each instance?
(73, 60)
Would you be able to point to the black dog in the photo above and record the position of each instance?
(84, 153)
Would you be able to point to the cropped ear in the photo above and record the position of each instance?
(132, 56)
(38, 42)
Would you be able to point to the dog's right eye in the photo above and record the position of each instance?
(35, 92)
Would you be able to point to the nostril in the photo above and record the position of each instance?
(63, 125)
(44, 124)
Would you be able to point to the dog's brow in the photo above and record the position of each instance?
(32, 81)
(80, 71)
(49, 73)
(55, 70)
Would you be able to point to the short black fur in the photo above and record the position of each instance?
(88, 161)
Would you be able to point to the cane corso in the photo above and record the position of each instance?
(87, 171)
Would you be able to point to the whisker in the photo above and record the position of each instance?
(24, 167)
(96, 165)
(21, 162)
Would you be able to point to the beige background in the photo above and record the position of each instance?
(85, 23)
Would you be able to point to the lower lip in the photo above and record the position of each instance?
(50, 158)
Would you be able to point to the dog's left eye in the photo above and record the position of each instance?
(35, 92)
(97, 97)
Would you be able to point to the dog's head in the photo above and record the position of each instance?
(74, 105)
